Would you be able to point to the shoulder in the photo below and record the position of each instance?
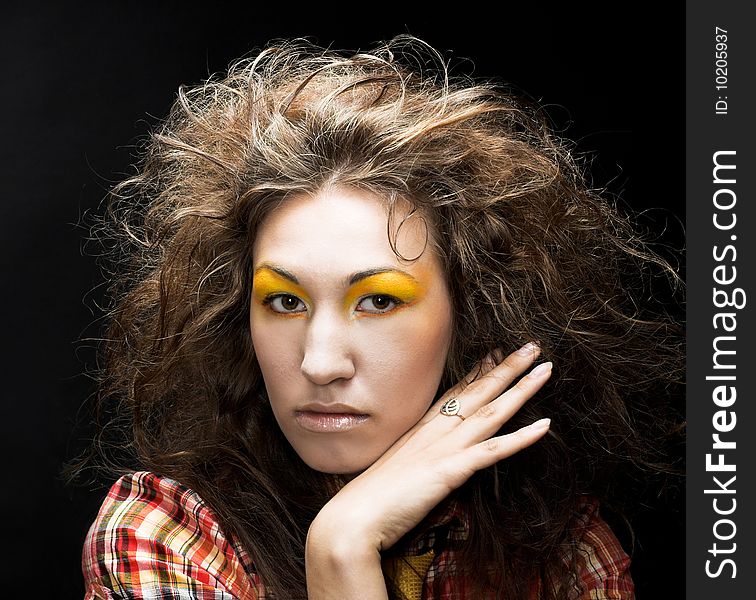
(603, 567)
(155, 538)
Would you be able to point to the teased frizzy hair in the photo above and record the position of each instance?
(529, 250)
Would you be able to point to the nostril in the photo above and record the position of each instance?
(322, 369)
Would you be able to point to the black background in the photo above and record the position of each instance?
(82, 85)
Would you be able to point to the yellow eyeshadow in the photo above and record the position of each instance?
(399, 285)
(266, 282)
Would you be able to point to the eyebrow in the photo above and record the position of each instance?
(370, 272)
(278, 270)
(354, 278)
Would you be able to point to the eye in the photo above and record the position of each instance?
(378, 303)
(285, 303)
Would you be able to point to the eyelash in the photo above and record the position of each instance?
(393, 301)
(273, 298)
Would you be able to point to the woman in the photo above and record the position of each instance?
(343, 271)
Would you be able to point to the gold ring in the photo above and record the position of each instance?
(451, 407)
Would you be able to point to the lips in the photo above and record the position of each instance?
(329, 418)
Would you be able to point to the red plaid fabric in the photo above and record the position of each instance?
(156, 539)
(602, 564)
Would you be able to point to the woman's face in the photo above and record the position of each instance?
(351, 339)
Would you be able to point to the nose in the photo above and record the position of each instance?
(327, 353)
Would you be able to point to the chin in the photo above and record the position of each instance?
(334, 465)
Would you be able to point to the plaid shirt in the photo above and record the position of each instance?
(156, 539)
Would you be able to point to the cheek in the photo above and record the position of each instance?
(430, 347)
(276, 348)
(410, 353)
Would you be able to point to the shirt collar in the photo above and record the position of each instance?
(448, 522)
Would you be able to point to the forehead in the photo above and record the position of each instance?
(341, 228)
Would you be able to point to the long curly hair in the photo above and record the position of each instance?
(530, 252)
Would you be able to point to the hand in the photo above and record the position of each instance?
(433, 458)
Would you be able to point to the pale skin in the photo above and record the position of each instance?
(352, 341)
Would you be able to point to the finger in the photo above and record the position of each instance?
(492, 450)
(481, 368)
(489, 418)
(491, 384)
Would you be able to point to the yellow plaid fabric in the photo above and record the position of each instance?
(406, 574)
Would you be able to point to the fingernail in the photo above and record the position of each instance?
(538, 425)
(541, 370)
(527, 349)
